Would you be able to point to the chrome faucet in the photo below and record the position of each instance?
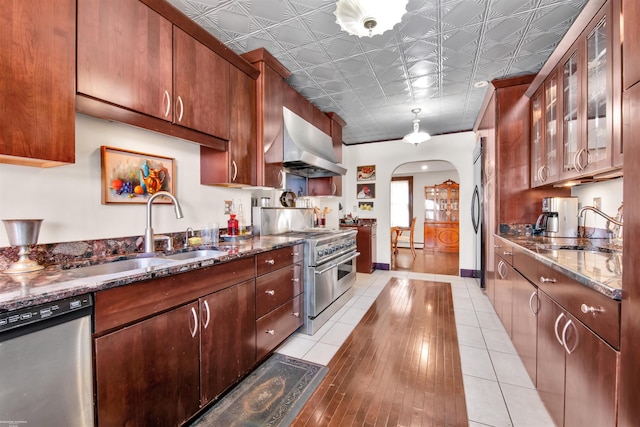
(149, 238)
(616, 229)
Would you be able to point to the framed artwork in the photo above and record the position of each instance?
(132, 177)
(366, 191)
(366, 173)
(365, 206)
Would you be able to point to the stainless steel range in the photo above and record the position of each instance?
(329, 262)
(330, 270)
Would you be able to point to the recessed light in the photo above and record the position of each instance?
(425, 167)
(481, 83)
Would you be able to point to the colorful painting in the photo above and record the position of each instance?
(366, 191)
(365, 206)
(132, 177)
(366, 173)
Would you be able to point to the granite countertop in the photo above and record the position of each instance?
(54, 283)
(595, 263)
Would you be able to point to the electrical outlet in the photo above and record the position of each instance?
(597, 202)
(228, 206)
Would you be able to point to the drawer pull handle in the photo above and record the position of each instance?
(270, 331)
(295, 279)
(296, 313)
(591, 309)
(270, 292)
(270, 261)
(295, 254)
(547, 279)
(507, 253)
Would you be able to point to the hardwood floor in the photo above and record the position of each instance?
(400, 366)
(426, 262)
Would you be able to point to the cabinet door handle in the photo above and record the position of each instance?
(167, 100)
(502, 269)
(193, 331)
(235, 170)
(547, 279)
(181, 109)
(295, 279)
(534, 294)
(281, 174)
(555, 328)
(296, 313)
(206, 322)
(507, 253)
(270, 261)
(270, 331)
(334, 189)
(586, 309)
(564, 337)
(270, 292)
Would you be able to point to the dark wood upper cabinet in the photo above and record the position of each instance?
(630, 43)
(200, 87)
(37, 63)
(135, 66)
(237, 166)
(125, 56)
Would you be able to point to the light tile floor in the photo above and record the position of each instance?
(498, 390)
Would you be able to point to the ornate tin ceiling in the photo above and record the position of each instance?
(430, 60)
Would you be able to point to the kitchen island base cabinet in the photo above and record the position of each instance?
(147, 373)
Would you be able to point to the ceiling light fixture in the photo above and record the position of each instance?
(369, 17)
(416, 137)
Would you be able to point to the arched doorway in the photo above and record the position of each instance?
(412, 185)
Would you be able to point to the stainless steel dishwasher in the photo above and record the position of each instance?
(45, 364)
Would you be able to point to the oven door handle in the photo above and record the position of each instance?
(332, 266)
(342, 261)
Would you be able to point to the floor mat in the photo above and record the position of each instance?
(272, 395)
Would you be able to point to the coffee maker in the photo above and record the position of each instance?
(559, 217)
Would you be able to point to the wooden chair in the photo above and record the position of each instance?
(403, 238)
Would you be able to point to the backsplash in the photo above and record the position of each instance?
(86, 252)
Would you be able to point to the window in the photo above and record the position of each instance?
(401, 198)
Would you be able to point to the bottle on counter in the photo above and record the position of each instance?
(232, 225)
(241, 224)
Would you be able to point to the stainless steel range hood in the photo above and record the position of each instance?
(307, 150)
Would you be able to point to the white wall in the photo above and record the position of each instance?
(387, 156)
(421, 180)
(610, 193)
(69, 198)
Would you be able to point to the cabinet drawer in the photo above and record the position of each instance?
(275, 260)
(276, 326)
(276, 288)
(504, 249)
(572, 295)
(526, 264)
(125, 304)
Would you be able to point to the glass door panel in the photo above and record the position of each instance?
(570, 128)
(597, 93)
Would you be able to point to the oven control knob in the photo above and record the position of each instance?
(320, 252)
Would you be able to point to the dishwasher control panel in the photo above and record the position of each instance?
(25, 316)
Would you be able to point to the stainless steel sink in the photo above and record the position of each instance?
(208, 253)
(119, 266)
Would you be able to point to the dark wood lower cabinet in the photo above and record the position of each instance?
(524, 322)
(227, 336)
(503, 292)
(577, 371)
(148, 373)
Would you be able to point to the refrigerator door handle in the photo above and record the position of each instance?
(475, 209)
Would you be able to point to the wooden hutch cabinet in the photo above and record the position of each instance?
(441, 217)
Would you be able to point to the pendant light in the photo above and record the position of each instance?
(369, 17)
(416, 137)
